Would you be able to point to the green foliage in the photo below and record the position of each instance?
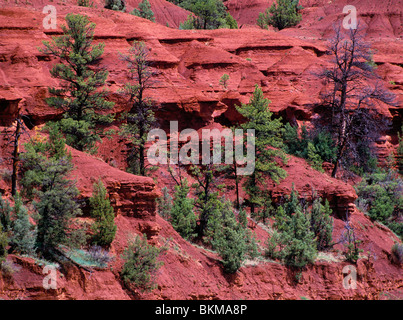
(283, 14)
(23, 233)
(208, 203)
(313, 158)
(183, 218)
(380, 195)
(315, 147)
(230, 22)
(292, 241)
(45, 168)
(292, 203)
(140, 119)
(3, 244)
(322, 224)
(85, 3)
(224, 81)
(81, 95)
(79, 134)
(232, 240)
(265, 211)
(5, 214)
(144, 11)
(189, 23)
(141, 265)
(268, 141)
(209, 14)
(242, 217)
(101, 210)
(399, 152)
(164, 204)
(397, 252)
(302, 248)
(116, 5)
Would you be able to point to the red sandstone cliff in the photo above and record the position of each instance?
(189, 66)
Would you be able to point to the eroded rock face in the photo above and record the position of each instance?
(309, 182)
(189, 65)
(130, 195)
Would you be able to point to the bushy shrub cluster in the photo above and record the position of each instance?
(313, 146)
(283, 14)
(380, 195)
(298, 233)
(144, 11)
(141, 265)
(208, 14)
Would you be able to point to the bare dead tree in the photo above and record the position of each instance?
(352, 92)
(140, 119)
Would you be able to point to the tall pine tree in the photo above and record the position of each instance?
(101, 210)
(183, 218)
(268, 141)
(81, 96)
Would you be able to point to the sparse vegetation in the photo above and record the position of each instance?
(380, 195)
(144, 11)
(116, 5)
(397, 252)
(282, 14)
(141, 265)
(224, 81)
(101, 210)
(82, 94)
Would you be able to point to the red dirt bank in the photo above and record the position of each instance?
(189, 66)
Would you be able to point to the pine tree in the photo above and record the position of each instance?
(232, 240)
(242, 218)
(101, 210)
(141, 265)
(281, 236)
(183, 218)
(144, 11)
(3, 244)
(292, 203)
(322, 224)
(224, 81)
(231, 22)
(210, 14)
(280, 15)
(313, 158)
(116, 5)
(268, 136)
(302, 248)
(81, 95)
(5, 213)
(165, 204)
(23, 233)
(207, 201)
(46, 166)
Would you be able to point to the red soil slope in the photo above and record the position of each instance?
(189, 65)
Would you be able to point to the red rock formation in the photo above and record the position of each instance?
(189, 65)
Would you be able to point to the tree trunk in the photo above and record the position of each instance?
(15, 159)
